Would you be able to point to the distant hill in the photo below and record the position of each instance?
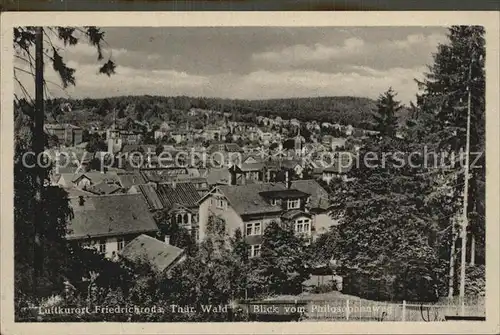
(345, 110)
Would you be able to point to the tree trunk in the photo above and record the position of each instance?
(451, 280)
(38, 147)
(466, 192)
(473, 250)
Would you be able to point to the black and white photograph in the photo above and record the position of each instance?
(293, 174)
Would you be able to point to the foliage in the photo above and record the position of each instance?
(441, 115)
(325, 248)
(388, 234)
(96, 143)
(475, 284)
(52, 257)
(208, 277)
(281, 267)
(178, 236)
(386, 118)
(399, 219)
(24, 42)
(157, 109)
(54, 218)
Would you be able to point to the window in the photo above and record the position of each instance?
(185, 219)
(102, 246)
(303, 226)
(274, 202)
(256, 228)
(221, 203)
(293, 203)
(299, 226)
(254, 250)
(178, 218)
(307, 226)
(121, 244)
(249, 229)
(253, 228)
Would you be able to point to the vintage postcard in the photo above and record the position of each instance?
(250, 173)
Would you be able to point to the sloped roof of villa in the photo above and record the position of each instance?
(162, 175)
(158, 253)
(319, 196)
(110, 215)
(151, 196)
(184, 194)
(246, 199)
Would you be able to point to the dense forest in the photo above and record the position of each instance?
(343, 110)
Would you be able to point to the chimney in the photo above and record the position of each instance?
(81, 200)
(167, 239)
(288, 183)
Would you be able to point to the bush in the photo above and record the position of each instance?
(475, 281)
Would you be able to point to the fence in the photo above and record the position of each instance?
(365, 310)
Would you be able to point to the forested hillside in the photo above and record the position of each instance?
(343, 110)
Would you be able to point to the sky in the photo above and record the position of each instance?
(250, 62)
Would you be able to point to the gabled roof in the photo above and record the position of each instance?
(94, 177)
(158, 253)
(97, 177)
(184, 194)
(151, 196)
(110, 215)
(233, 147)
(162, 175)
(246, 167)
(290, 163)
(319, 196)
(130, 178)
(103, 188)
(246, 199)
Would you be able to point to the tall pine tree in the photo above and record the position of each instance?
(386, 118)
(442, 107)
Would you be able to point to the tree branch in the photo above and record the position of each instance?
(25, 92)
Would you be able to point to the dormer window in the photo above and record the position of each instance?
(293, 203)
